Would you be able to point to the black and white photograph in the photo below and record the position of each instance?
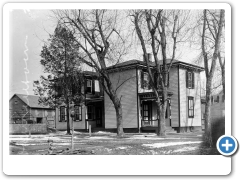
(117, 82)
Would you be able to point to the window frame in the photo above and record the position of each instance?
(145, 83)
(91, 87)
(190, 82)
(79, 114)
(190, 98)
(92, 112)
(62, 114)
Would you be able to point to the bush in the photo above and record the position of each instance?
(218, 129)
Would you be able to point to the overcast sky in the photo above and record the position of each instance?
(28, 29)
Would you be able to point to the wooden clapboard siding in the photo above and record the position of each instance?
(173, 87)
(184, 93)
(19, 109)
(128, 94)
(77, 124)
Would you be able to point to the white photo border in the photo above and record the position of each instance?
(114, 164)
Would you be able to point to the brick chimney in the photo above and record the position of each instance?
(150, 57)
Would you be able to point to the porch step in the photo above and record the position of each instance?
(98, 129)
(169, 129)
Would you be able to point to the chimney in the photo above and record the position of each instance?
(150, 57)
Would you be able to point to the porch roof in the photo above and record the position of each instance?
(151, 95)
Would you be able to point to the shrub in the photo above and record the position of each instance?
(218, 129)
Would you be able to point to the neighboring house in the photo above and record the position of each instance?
(217, 107)
(25, 109)
(138, 100)
(91, 112)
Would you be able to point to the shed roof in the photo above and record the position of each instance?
(31, 101)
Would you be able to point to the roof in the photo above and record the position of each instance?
(135, 62)
(90, 73)
(31, 101)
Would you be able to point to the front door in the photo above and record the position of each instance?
(147, 112)
(98, 111)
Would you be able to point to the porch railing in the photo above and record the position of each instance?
(151, 123)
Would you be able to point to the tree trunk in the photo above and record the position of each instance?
(68, 122)
(223, 81)
(161, 108)
(118, 108)
(208, 125)
(117, 104)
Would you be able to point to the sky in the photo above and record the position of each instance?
(28, 31)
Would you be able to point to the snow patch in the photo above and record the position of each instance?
(121, 148)
(185, 149)
(103, 132)
(101, 137)
(159, 145)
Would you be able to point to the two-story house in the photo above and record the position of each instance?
(90, 112)
(138, 100)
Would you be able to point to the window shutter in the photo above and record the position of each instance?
(93, 86)
(65, 111)
(86, 108)
(80, 113)
(193, 83)
(59, 114)
(187, 79)
(149, 83)
(85, 86)
(142, 74)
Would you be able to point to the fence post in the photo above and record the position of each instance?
(29, 131)
(90, 130)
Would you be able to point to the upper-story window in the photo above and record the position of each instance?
(190, 79)
(89, 88)
(145, 80)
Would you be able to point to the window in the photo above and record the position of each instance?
(89, 113)
(145, 80)
(190, 80)
(190, 107)
(39, 120)
(217, 100)
(77, 113)
(89, 88)
(62, 113)
(223, 98)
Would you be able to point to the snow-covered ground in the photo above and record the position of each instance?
(160, 145)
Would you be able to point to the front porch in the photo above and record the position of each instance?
(148, 113)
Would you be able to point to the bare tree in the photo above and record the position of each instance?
(102, 39)
(156, 29)
(213, 21)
